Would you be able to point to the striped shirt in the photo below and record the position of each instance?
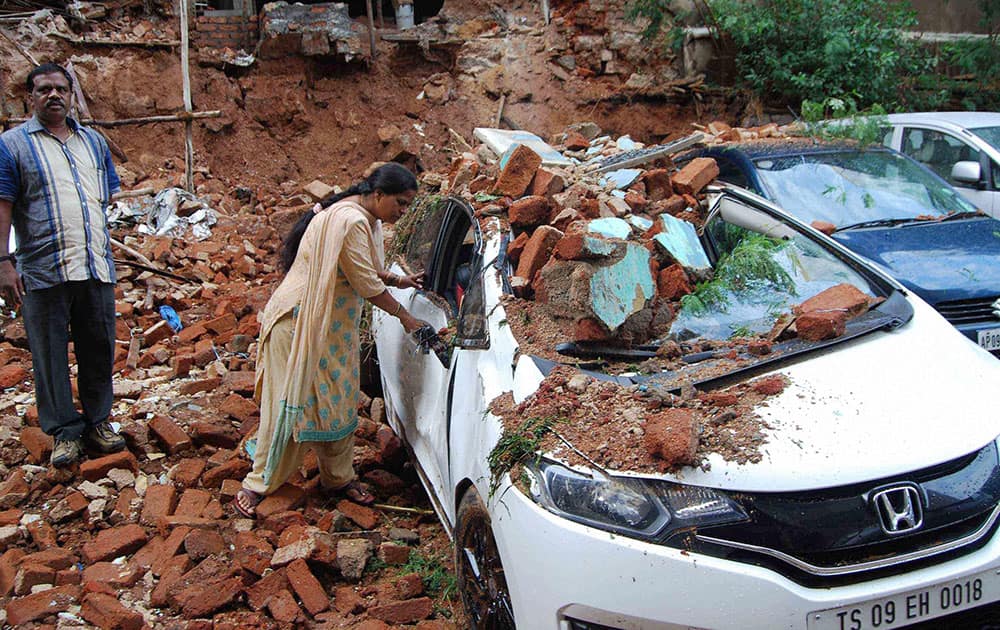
(59, 192)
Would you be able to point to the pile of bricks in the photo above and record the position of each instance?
(147, 537)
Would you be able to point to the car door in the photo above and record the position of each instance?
(445, 246)
(939, 151)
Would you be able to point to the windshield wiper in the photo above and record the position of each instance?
(968, 214)
(876, 223)
(595, 350)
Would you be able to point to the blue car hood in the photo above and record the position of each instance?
(956, 260)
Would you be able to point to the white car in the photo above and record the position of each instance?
(961, 147)
(874, 503)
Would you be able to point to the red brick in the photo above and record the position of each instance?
(173, 437)
(672, 283)
(14, 489)
(156, 333)
(240, 408)
(537, 251)
(193, 502)
(191, 388)
(171, 576)
(95, 469)
(111, 543)
(168, 550)
(241, 382)
(252, 552)
(406, 611)
(576, 141)
(720, 399)
(222, 324)
(283, 607)
(187, 472)
(657, 183)
(127, 502)
(307, 587)
(820, 325)
(389, 444)
(107, 613)
(263, 589)
(42, 534)
(233, 469)
(30, 575)
(287, 497)
(8, 569)
(842, 297)
(409, 586)
(191, 333)
(148, 554)
(11, 517)
(280, 522)
(161, 500)
(636, 201)
(516, 247)
(182, 365)
(115, 574)
(589, 329)
(201, 600)
(69, 507)
(39, 444)
(39, 605)
(71, 575)
(518, 173)
(12, 375)
(695, 175)
(55, 558)
(671, 435)
(529, 211)
(347, 601)
(221, 435)
(365, 517)
(202, 543)
(391, 553)
(546, 183)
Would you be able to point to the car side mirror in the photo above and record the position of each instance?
(967, 172)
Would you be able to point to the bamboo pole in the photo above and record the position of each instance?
(186, 77)
(371, 28)
(93, 41)
(182, 117)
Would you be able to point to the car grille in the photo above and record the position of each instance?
(833, 536)
(968, 311)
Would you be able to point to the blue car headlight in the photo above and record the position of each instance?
(634, 507)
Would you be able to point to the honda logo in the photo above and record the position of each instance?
(899, 509)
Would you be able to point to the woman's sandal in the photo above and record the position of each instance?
(354, 491)
(245, 502)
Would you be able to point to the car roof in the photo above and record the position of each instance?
(789, 146)
(967, 120)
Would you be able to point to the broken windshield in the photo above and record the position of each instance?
(756, 279)
(856, 187)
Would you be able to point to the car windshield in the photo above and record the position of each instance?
(847, 188)
(990, 134)
(756, 278)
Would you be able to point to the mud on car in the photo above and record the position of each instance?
(767, 433)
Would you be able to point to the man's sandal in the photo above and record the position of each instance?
(245, 502)
(354, 491)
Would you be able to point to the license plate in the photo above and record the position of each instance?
(990, 339)
(908, 608)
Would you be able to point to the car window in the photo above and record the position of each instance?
(730, 173)
(755, 279)
(992, 136)
(938, 151)
(417, 233)
(470, 330)
(853, 186)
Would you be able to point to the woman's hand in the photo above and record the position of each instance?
(412, 281)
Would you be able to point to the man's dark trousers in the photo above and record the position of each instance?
(83, 311)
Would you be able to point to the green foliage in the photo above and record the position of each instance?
(750, 263)
(803, 49)
(514, 446)
(660, 19)
(438, 581)
(865, 127)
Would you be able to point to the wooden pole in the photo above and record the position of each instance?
(182, 117)
(186, 77)
(378, 10)
(371, 28)
(3, 103)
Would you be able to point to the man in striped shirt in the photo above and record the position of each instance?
(56, 179)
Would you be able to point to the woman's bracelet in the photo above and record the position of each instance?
(395, 313)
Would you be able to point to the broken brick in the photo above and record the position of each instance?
(307, 587)
(38, 444)
(287, 497)
(160, 500)
(365, 517)
(528, 211)
(518, 172)
(283, 607)
(841, 297)
(821, 325)
(215, 434)
(252, 552)
(239, 408)
(107, 613)
(406, 611)
(95, 469)
(42, 604)
(114, 542)
(187, 472)
(263, 589)
(671, 435)
(235, 468)
(173, 437)
(695, 175)
(537, 251)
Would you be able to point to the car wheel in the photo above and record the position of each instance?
(478, 567)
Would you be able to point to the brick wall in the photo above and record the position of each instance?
(225, 31)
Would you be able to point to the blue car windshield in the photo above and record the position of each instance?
(851, 187)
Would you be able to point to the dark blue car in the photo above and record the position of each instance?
(891, 210)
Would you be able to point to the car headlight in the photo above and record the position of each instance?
(633, 507)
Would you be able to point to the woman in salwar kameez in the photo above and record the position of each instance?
(307, 358)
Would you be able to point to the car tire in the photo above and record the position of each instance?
(481, 579)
